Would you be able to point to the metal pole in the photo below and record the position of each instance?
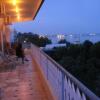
(47, 68)
(4, 38)
(3, 26)
(62, 89)
(2, 41)
(1, 13)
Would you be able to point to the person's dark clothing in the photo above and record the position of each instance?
(20, 52)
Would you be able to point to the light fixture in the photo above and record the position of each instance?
(14, 2)
(24, 41)
(17, 10)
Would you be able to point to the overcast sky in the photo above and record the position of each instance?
(65, 16)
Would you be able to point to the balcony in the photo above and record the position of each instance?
(41, 78)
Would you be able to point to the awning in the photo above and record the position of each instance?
(21, 10)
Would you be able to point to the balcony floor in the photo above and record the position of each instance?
(24, 83)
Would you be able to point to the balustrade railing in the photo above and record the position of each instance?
(63, 85)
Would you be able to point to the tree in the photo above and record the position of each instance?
(62, 41)
(68, 63)
(83, 61)
(33, 38)
(95, 50)
(85, 50)
(74, 50)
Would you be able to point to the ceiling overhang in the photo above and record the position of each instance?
(21, 10)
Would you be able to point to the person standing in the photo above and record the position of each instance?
(20, 52)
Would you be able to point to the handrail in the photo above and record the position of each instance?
(83, 88)
(90, 95)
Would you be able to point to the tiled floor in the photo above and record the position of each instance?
(23, 83)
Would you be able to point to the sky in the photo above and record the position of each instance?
(64, 16)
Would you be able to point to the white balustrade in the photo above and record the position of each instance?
(63, 85)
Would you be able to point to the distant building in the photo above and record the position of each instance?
(75, 38)
(51, 46)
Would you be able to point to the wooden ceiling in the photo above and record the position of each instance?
(22, 10)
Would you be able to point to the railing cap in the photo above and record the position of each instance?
(83, 88)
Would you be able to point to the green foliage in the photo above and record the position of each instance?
(73, 50)
(62, 41)
(33, 38)
(65, 42)
(95, 50)
(68, 62)
(83, 61)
